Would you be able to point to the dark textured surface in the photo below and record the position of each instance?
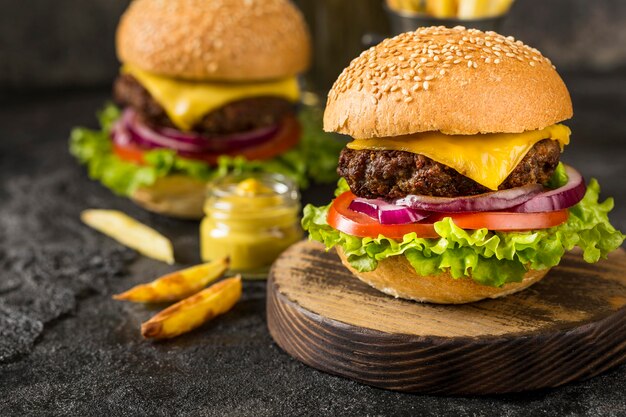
(89, 358)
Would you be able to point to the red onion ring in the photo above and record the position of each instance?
(559, 199)
(130, 129)
(387, 213)
(493, 201)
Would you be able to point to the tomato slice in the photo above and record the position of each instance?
(348, 221)
(504, 221)
(129, 152)
(286, 138)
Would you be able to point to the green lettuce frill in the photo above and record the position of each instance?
(492, 258)
(313, 159)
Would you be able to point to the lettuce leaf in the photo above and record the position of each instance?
(492, 258)
(314, 159)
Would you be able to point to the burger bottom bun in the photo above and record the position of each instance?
(175, 196)
(395, 276)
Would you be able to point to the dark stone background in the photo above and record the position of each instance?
(66, 348)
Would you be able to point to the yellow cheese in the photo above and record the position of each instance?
(186, 102)
(487, 159)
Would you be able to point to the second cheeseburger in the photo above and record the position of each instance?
(205, 87)
(452, 190)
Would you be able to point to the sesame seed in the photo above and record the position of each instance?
(408, 99)
(406, 57)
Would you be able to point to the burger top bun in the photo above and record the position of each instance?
(216, 40)
(457, 81)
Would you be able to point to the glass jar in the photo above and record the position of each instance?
(251, 219)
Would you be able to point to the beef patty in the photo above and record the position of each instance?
(238, 116)
(396, 174)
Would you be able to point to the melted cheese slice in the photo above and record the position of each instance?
(187, 102)
(488, 159)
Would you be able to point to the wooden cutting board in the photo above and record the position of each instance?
(569, 326)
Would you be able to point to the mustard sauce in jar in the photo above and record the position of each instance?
(251, 219)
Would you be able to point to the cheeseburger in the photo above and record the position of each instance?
(452, 189)
(204, 87)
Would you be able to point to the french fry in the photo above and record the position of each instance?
(177, 285)
(194, 311)
(474, 9)
(131, 233)
(414, 6)
(441, 8)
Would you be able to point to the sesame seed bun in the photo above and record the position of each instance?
(457, 81)
(229, 40)
(396, 277)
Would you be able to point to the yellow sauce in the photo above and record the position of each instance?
(252, 221)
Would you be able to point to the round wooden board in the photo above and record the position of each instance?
(569, 326)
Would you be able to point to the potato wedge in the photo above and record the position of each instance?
(131, 233)
(177, 285)
(194, 311)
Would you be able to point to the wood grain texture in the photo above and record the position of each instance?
(569, 326)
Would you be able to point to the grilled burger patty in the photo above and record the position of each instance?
(238, 116)
(396, 174)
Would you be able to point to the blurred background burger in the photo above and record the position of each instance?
(205, 87)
